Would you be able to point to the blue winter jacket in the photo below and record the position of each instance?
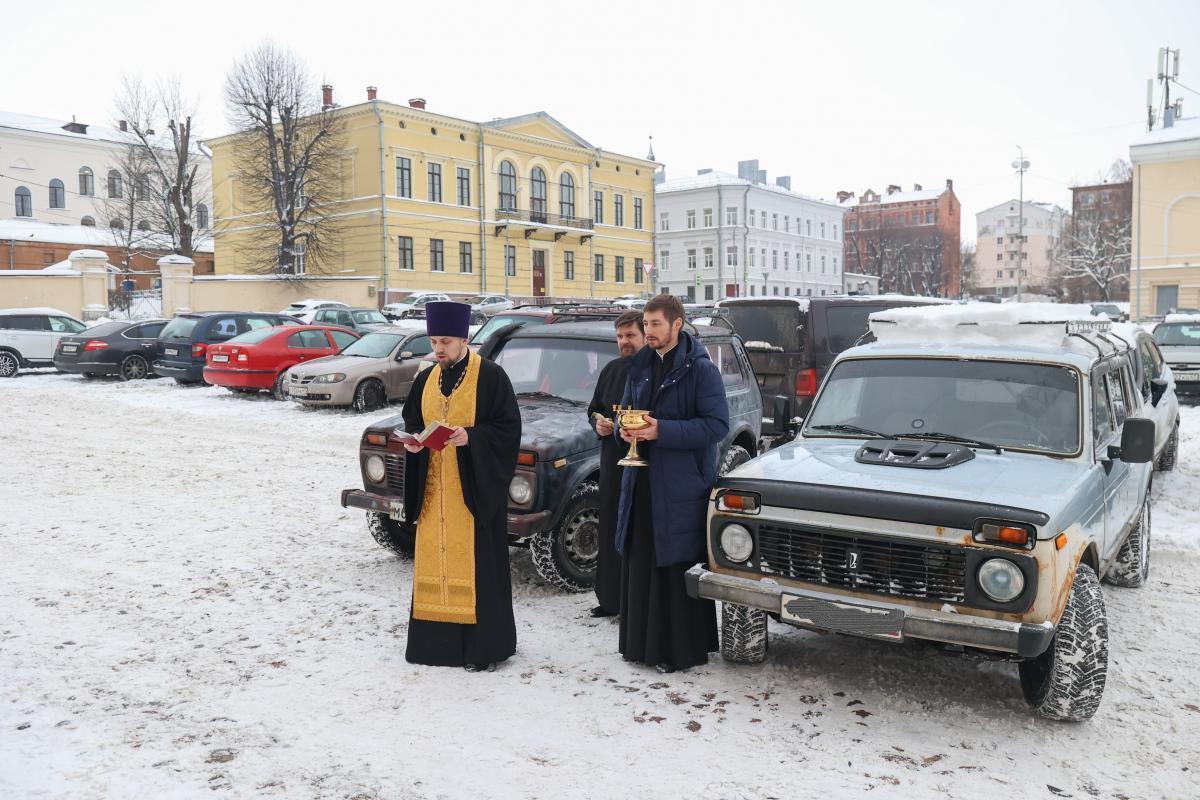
(693, 418)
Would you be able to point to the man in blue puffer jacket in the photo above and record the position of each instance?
(662, 514)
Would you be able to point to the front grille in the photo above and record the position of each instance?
(880, 565)
(298, 380)
(395, 472)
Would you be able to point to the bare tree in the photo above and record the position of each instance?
(1096, 253)
(128, 212)
(967, 270)
(171, 160)
(288, 154)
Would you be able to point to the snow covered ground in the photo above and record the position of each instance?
(188, 612)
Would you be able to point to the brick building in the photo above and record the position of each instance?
(1102, 210)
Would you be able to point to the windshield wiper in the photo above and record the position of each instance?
(949, 437)
(551, 396)
(845, 428)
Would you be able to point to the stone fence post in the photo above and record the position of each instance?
(176, 274)
(92, 266)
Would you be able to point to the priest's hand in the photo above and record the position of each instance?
(459, 437)
(413, 448)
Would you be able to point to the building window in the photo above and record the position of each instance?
(299, 255)
(822, 265)
(537, 195)
(787, 224)
(566, 196)
(88, 222)
(599, 273)
(774, 259)
(851, 225)
(403, 176)
(637, 213)
(774, 222)
(775, 290)
(24, 202)
(708, 217)
(691, 218)
(618, 210)
(691, 258)
(434, 172)
(930, 217)
(464, 258)
(664, 221)
(999, 273)
(569, 265)
(664, 260)
(144, 225)
(406, 252)
(202, 216)
(598, 212)
(143, 188)
(822, 230)
(835, 266)
(763, 224)
(508, 186)
(619, 269)
(731, 215)
(114, 184)
(999, 256)
(808, 227)
(638, 271)
(787, 259)
(708, 291)
(87, 182)
(510, 260)
(808, 262)
(708, 258)
(437, 255)
(58, 194)
(751, 253)
(464, 186)
(731, 256)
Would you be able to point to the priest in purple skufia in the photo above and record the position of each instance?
(457, 498)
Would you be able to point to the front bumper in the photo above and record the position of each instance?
(520, 526)
(324, 394)
(828, 612)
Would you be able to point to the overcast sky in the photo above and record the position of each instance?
(836, 95)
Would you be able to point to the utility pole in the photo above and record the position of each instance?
(1020, 165)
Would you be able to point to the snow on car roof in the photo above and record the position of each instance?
(1191, 318)
(40, 310)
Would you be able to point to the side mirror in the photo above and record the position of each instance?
(1158, 387)
(1137, 441)
(783, 413)
(405, 355)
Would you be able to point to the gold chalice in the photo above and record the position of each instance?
(633, 420)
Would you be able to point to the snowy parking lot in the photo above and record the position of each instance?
(188, 612)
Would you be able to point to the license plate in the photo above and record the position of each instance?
(396, 510)
(171, 351)
(298, 391)
(220, 359)
(70, 348)
(851, 618)
(1187, 376)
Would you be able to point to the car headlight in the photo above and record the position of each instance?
(520, 491)
(376, 469)
(333, 377)
(1001, 580)
(737, 542)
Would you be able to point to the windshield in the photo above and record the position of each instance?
(565, 368)
(1013, 405)
(254, 337)
(1102, 308)
(374, 345)
(774, 323)
(500, 320)
(1178, 334)
(476, 300)
(179, 328)
(369, 318)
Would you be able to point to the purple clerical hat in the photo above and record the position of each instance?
(445, 318)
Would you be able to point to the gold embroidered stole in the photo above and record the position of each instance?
(444, 567)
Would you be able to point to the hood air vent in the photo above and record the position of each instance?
(916, 455)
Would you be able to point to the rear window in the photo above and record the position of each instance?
(846, 323)
(773, 323)
(501, 320)
(308, 339)
(23, 323)
(1176, 334)
(179, 328)
(107, 328)
(254, 337)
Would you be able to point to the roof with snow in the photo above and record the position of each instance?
(96, 133)
(86, 235)
(1182, 130)
(898, 197)
(717, 178)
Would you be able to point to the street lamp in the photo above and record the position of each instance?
(1020, 165)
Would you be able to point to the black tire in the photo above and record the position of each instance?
(1067, 681)
(1166, 461)
(735, 456)
(398, 537)
(743, 634)
(368, 396)
(566, 554)
(1132, 565)
(10, 364)
(186, 381)
(133, 368)
(279, 389)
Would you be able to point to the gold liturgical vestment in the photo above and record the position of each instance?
(444, 568)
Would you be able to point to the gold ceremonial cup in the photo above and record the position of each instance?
(634, 420)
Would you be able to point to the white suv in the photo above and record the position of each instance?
(28, 337)
(304, 310)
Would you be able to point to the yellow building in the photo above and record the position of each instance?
(1166, 219)
(520, 206)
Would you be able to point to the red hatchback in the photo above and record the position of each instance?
(259, 360)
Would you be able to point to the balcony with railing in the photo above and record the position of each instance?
(529, 217)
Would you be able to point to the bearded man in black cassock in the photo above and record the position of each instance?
(457, 498)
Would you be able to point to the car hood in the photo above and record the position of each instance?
(554, 428)
(1020, 480)
(351, 365)
(1180, 354)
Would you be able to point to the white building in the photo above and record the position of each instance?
(718, 235)
(1003, 261)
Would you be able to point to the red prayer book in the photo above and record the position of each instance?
(434, 437)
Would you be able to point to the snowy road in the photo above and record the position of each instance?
(187, 612)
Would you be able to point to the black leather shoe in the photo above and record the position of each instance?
(601, 611)
(479, 667)
(665, 668)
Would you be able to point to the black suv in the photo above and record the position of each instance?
(183, 343)
(793, 340)
(554, 496)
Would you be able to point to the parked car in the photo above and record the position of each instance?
(634, 303)
(183, 344)
(259, 360)
(532, 316)
(416, 301)
(303, 310)
(554, 496)
(362, 320)
(489, 303)
(376, 370)
(1178, 338)
(29, 336)
(959, 483)
(1155, 382)
(122, 348)
(793, 340)
(1111, 310)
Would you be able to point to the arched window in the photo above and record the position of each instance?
(88, 222)
(143, 226)
(87, 182)
(508, 185)
(58, 194)
(143, 187)
(24, 201)
(202, 217)
(537, 195)
(566, 195)
(116, 222)
(114, 184)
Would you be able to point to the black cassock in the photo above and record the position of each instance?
(609, 388)
(486, 466)
(660, 623)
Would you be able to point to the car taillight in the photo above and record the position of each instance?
(806, 383)
(94, 344)
(243, 357)
(199, 349)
